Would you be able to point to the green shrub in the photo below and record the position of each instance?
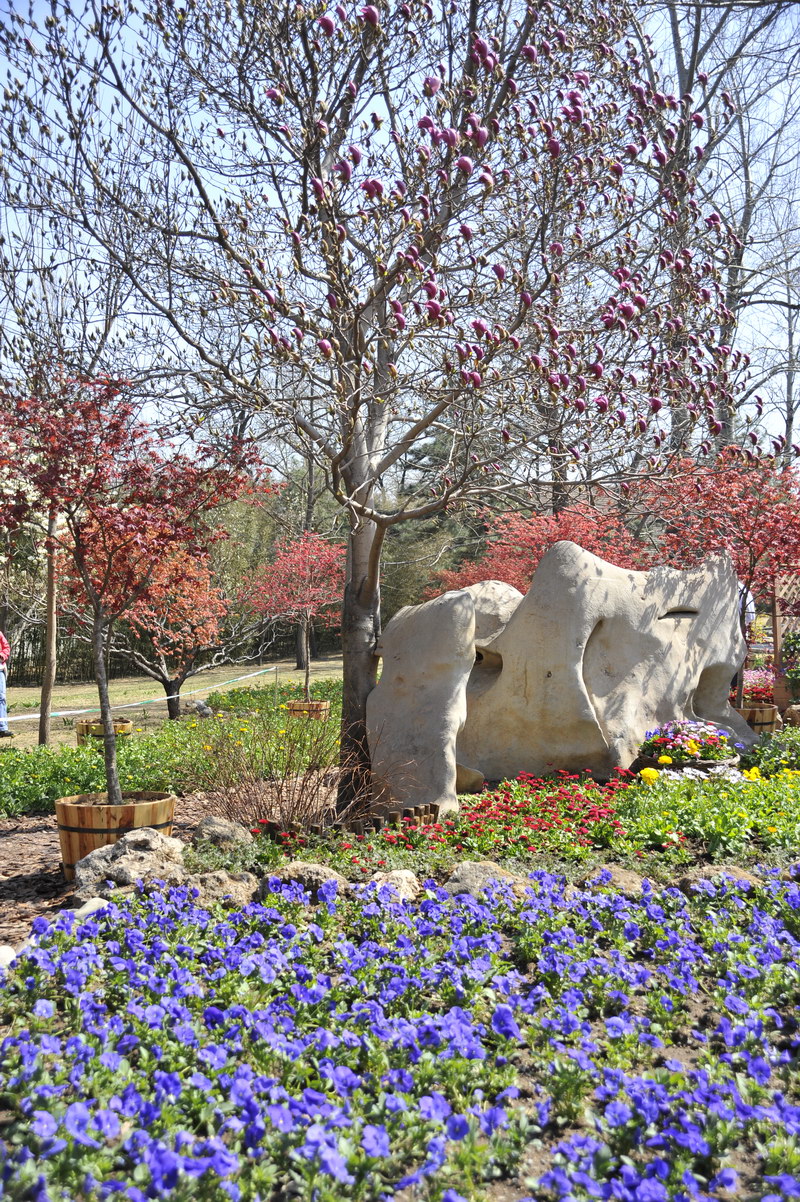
(777, 752)
(31, 780)
(186, 755)
(716, 817)
(266, 698)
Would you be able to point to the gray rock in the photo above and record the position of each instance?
(141, 855)
(714, 873)
(238, 888)
(404, 882)
(310, 876)
(91, 907)
(629, 884)
(222, 833)
(473, 876)
(7, 955)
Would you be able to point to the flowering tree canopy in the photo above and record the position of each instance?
(303, 582)
(385, 224)
(516, 542)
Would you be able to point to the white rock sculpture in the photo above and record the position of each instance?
(416, 711)
(570, 676)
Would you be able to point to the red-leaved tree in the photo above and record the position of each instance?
(303, 583)
(123, 499)
(174, 630)
(517, 542)
(747, 506)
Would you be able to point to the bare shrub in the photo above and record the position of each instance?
(270, 767)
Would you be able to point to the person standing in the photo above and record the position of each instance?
(5, 652)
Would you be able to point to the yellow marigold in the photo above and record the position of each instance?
(649, 775)
(752, 773)
(665, 759)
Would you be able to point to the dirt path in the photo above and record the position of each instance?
(30, 867)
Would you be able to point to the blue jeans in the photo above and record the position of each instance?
(3, 710)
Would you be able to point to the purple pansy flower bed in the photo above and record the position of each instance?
(568, 1044)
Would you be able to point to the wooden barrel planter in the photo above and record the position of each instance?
(89, 730)
(86, 822)
(309, 709)
(760, 718)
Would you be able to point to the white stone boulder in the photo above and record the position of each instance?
(404, 882)
(594, 657)
(236, 889)
(483, 683)
(416, 710)
(222, 833)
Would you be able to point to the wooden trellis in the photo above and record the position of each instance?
(786, 596)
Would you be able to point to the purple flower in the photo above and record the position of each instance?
(43, 1125)
(504, 1024)
(375, 1141)
(76, 1120)
(457, 1127)
(434, 1107)
(617, 1114)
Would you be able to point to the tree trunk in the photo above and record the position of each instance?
(360, 630)
(50, 638)
(173, 690)
(109, 738)
(307, 656)
(301, 649)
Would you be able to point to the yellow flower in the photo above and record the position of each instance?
(138, 730)
(692, 747)
(649, 775)
(752, 773)
(665, 759)
(772, 829)
(207, 747)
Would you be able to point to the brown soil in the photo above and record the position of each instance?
(30, 867)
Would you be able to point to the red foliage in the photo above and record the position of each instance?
(182, 609)
(751, 509)
(516, 543)
(122, 497)
(304, 581)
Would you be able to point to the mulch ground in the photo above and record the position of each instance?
(30, 867)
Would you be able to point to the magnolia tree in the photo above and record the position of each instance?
(384, 225)
(303, 583)
(516, 542)
(123, 501)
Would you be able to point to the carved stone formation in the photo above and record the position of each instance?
(483, 683)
